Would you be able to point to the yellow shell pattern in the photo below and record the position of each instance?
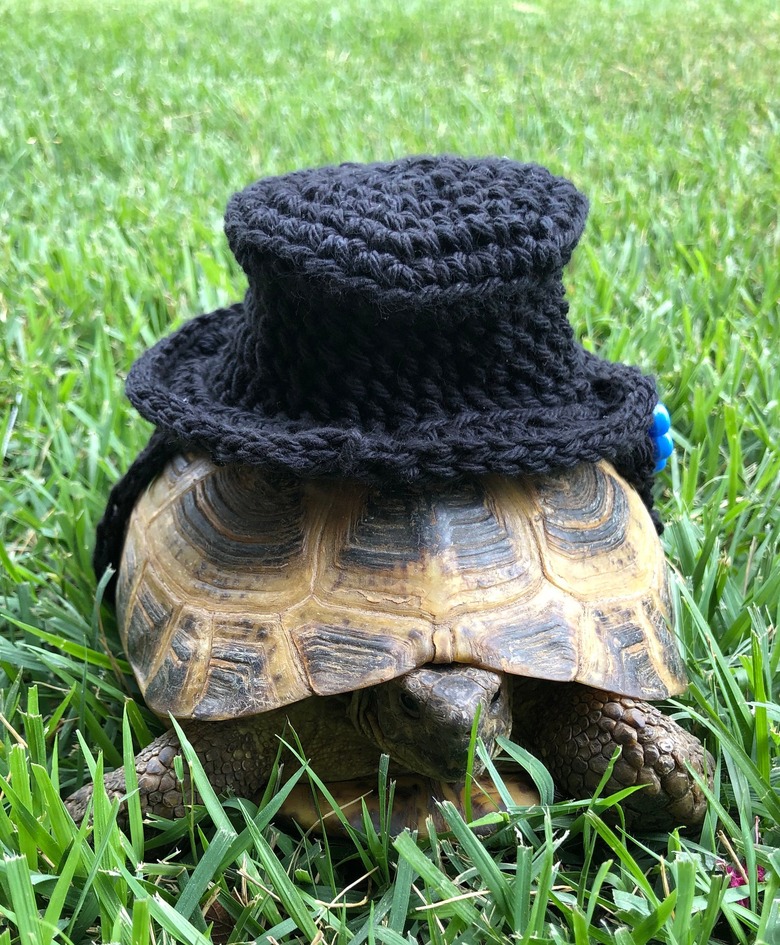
(242, 591)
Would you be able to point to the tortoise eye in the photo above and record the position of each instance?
(410, 705)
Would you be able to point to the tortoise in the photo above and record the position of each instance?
(387, 619)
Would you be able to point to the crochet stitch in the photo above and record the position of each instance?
(404, 321)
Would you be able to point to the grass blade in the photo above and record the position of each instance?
(25, 915)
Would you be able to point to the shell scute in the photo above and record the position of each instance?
(527, 639)
(237, 677)
(627, 647)
(585, 511)
(596, 538)
(233, 520)
(180, 675)
(339, 659)
(385, 535)
(151, 615)
(252, 667)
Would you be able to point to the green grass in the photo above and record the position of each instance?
(124, 128)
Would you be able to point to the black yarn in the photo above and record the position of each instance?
(421, 235)
(404, 321)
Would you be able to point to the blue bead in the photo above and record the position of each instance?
(663, 446)
(661, 464)
(662, 422)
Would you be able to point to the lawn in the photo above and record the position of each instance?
(124, 128)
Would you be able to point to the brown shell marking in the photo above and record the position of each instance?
(241, 592)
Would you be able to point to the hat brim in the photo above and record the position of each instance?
(606, 424)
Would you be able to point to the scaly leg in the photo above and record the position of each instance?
(229, 751)
(575, 730)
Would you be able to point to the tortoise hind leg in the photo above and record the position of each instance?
(228, 752)
(575, 730)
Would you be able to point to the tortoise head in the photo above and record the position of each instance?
(424, 719)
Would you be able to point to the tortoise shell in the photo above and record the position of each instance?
(242, 591)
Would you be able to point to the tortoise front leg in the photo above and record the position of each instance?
(575, 730)
(228, 752)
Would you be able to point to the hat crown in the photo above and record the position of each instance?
(466, 255)
(415, 236)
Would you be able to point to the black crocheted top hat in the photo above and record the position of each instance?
(403, 321)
